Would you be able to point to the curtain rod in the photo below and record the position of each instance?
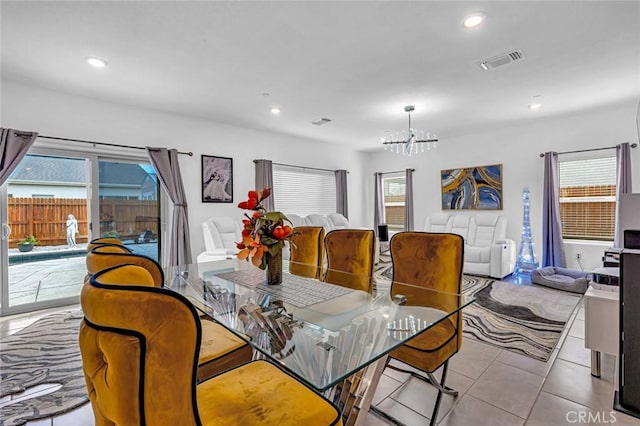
(302, 167)
(396, 171)
(633, 145)
(190, 154)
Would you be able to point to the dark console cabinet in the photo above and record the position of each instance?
(628, 396)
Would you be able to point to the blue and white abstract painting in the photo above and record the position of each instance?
(475, 188)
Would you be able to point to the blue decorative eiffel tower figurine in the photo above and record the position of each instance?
(527, 260)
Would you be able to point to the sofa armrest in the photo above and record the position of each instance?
(222, 251)
(503, 258)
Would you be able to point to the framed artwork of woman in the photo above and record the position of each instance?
(217, 179)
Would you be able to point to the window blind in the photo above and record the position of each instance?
(394, 201)
(303, 191)
(588, 198)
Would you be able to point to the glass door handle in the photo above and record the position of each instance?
(6, 231)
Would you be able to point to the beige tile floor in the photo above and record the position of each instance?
(497, 387)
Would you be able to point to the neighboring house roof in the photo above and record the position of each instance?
(121, 173)
(37, 168)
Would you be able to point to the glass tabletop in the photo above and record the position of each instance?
(318, 331)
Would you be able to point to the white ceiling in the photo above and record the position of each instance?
(357, 63)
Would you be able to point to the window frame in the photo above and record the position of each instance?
(597, 203)
(400, 175)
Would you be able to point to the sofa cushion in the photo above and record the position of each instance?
(438, 222)
(320, 220)
(477, 254)
(465, 226)
(338, 221)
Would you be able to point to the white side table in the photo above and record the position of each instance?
(602, 329)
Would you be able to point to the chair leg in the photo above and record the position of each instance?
(432, 381)
(441, 389)
(429, 379)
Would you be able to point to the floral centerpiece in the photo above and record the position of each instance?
(263, 236)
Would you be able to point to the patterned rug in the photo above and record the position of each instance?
(527, 319)
(44, 353)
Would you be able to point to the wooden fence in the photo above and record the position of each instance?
(46, 218)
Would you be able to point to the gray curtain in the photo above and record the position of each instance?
(14, 144)
(342, 202)
(264, 179)
(378, 212)
(552, 244)
(623, 183)
(168, 170)
(408, 201)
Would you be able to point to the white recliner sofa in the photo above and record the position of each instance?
(329, 222)
(487, 250)
(220, 237)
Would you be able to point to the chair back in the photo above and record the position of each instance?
(139, 346)
(351, 258)
(100, 241)
(428, 260)
(105, 256)
(221, 232)
(306, 257)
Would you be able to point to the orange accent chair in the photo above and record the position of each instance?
(101, 241)
(351, 258)
(220, 348)
(306, 257)
(140, 346)
(433, 261)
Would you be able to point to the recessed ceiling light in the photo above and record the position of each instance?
(275, 110)
(473, 20)
(535, 106)
(97, 62)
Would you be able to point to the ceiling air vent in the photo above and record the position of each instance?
(321, 121)
(502, 59)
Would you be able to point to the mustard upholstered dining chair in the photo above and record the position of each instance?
(139, 348)
(221, 349)
(433, 261)
(101, 241)
(350, 258)
(306, 257)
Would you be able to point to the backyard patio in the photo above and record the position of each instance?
(54, 272)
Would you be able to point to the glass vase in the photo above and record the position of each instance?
(274, 268)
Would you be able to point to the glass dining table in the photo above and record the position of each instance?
(332, 338)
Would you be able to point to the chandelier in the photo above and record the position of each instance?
(407, 142)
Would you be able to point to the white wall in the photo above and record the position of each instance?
(56, 114)
(517, 149)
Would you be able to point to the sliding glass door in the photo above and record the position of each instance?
(52, 205)
(128, 205)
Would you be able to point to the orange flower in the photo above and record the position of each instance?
(263, 231)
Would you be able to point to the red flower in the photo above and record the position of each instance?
(250, 204)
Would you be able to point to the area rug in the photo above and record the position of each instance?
(46, 352)
(526, 319)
